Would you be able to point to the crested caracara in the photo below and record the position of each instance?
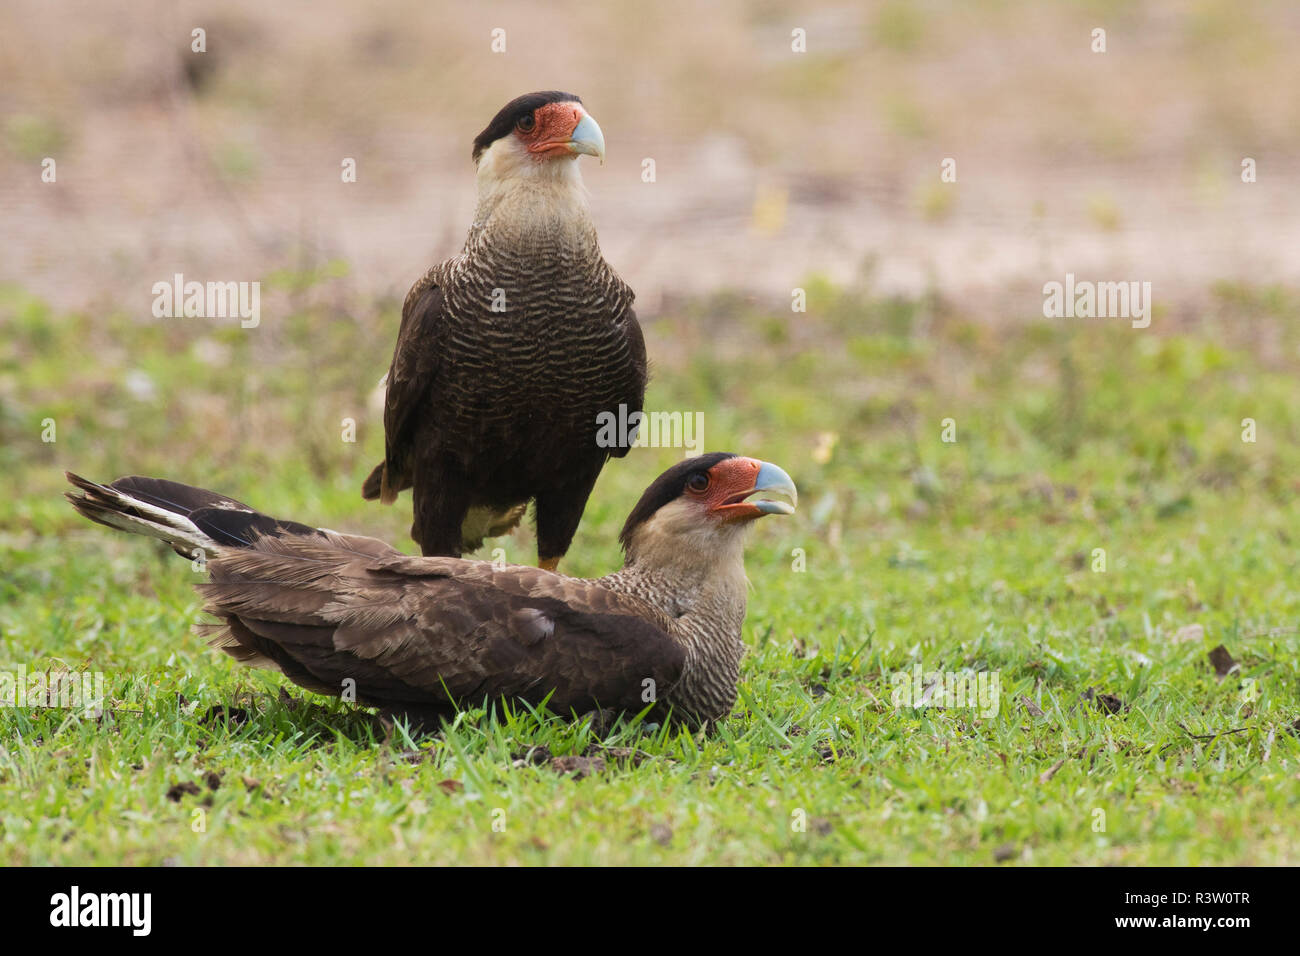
(423, 636)
(509, 351)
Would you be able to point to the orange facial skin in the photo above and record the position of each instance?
(730, 482)
(553, 126)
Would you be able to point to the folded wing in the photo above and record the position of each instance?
(343, 613)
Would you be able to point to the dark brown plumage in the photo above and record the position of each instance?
(509, 352)
(341, 614)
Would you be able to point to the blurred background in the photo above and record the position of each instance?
(769, 164)
(774, 170)
(1115, 502)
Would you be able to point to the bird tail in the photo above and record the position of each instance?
(191, 520)
(374, 483)
(376, 486)
(272, 581)
(154, 507)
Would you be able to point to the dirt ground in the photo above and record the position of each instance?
(771, 166)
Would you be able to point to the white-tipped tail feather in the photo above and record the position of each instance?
(125, 511)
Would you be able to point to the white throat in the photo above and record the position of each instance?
(517, 194)
(675, 545)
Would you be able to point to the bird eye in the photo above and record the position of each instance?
(698, 483)
(525, 123)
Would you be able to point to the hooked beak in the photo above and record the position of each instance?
(587, 139)
(772, 478)
(751, 476)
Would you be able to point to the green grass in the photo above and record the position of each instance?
(978, 554)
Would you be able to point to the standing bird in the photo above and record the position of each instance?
(509, 351)
(424, 636)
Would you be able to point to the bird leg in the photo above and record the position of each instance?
(559, 510)
(440, 503)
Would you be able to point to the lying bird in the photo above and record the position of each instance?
(427, 636)
(511, 351)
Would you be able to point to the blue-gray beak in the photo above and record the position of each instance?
(772, 478)
(588, 139)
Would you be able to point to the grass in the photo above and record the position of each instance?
(977, 555)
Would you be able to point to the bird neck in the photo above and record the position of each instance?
(703, 595)
(689, 566)
(542, 206)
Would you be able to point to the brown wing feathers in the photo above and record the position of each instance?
(451, 635)
(326, 608)
(409, 379)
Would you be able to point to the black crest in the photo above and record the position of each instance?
(504, 122)
(668, 487)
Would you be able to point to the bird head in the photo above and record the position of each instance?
(702, 506)
(535, 132)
